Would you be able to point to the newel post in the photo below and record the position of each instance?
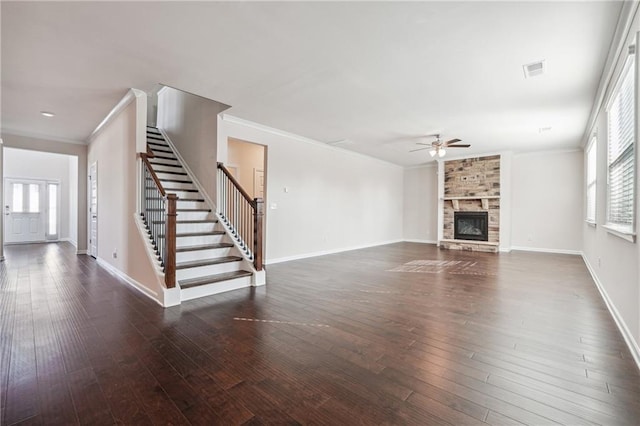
(170, 241)
(257, 233)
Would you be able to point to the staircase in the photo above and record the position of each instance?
(206, 259)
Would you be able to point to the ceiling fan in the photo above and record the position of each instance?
(439, 147)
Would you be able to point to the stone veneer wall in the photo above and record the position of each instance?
(472, 177)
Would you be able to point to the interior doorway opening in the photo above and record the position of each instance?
(40, 197)
(247, 162)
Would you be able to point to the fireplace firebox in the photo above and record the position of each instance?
(471, 225)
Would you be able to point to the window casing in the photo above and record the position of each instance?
(621, 152)
(591, 154)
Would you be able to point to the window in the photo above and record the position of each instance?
(17, 205)
(52, 228)
(621, 141)
(34, 198)
(592, 150)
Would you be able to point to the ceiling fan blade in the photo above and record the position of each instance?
(452, 141)
(466, 145)
(420, 149)
(425, 144)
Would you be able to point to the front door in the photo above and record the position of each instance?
(24, 219)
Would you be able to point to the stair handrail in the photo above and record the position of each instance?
(241, 230)
(167, 253)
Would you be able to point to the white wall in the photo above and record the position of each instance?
(114, 150)
(191, 122)
(420, 211)
(337, 199)
(19, 163)
(546, 210)
(613, 260)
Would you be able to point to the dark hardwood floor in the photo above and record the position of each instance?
(398, 334)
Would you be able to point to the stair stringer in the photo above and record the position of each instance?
(170, 296)
(258, 277)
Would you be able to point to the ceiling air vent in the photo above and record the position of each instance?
(534, 69)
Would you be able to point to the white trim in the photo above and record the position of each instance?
(240, 121)
(591, 223)
(20, 133)
(116, 110)
(412, 240)
(127, 279)
(504, 249)
(326, 252)
(141, 120)
(625, 235)
(622, 326)
(547, 250)
(81, 252)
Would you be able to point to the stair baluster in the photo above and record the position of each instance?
(159, 214)
(242, 215)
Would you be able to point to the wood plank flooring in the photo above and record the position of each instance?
(397, 334)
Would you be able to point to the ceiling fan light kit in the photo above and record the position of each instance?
(438, 147)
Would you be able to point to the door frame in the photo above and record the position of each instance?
(90, 246)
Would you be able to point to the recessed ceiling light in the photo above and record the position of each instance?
(534, 69)
(47, 114)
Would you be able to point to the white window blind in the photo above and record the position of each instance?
(592, 150)
(621, 141)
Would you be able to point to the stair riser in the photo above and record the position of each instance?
(203, 271)
(185, 194)
(159, 161)
(215, 288)
(187, 256)
(158, 168)
(164, 176)
(194, 215)
(191, 204)
(177, 185)
(199, 240)
(183, 228)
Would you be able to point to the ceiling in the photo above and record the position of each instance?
(376, 74)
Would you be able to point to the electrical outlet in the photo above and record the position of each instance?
(115, 253)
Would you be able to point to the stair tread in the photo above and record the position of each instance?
(207, 262)
(180, 189)
(165, 157)
(194, 210)
(153, 161)
(190, 221)
(204, 247)
(194, 282)
(195, 234)
(169, 172)
(172, 180)
(166, 151)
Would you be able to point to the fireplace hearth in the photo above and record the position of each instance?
(471, 225)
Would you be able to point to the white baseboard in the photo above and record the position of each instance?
(81, 252)
(413, 240)
(547, 250)
(326, 252)
(126, 278)
(622, 326)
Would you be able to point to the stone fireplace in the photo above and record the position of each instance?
(471, 204)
